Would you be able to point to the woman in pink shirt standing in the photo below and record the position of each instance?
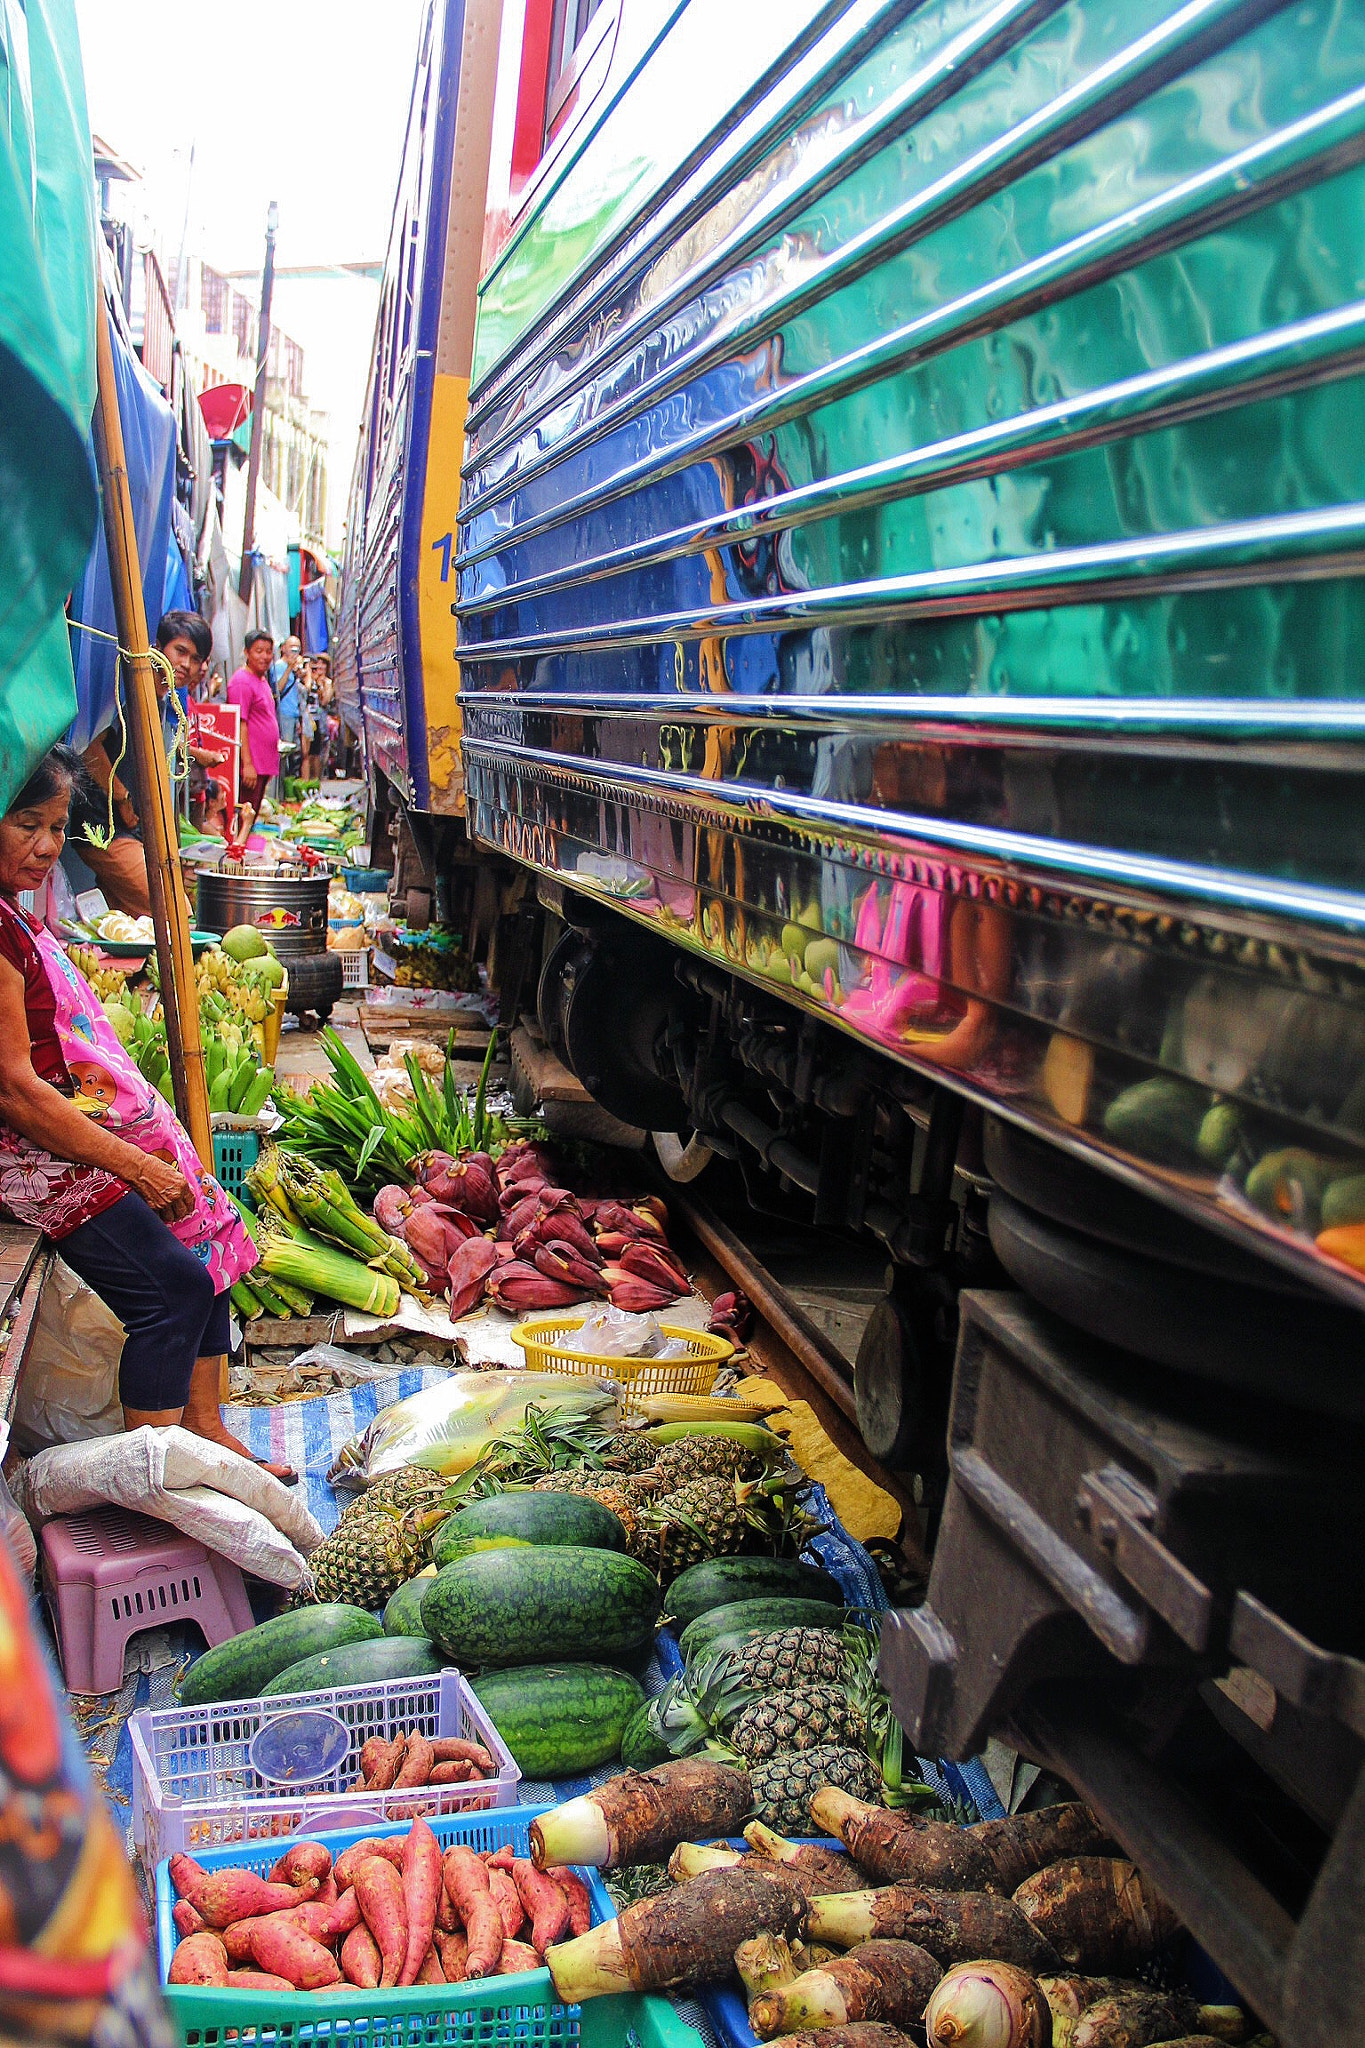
(255, 699)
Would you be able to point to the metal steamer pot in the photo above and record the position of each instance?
(284, 903)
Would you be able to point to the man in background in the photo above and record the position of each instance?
(115, 856)
(254, 698)
(287, 679)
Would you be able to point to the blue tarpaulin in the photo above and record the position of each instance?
(149, 442)
(314, 600)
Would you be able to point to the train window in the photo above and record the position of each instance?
(577, 29)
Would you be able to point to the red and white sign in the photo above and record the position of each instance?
(218, 728)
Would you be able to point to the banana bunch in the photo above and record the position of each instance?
(237, 1080)
(242, 983)
(107, 982)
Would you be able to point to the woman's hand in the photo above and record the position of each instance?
(162, 1186)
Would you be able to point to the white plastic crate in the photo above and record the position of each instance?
(355, 970)
(194, 1788)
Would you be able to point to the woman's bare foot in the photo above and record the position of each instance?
(215, 1431)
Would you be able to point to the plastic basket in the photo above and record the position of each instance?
(355, 969)
(234, 1155)
(367, 881)
(548, 1349)
(194, 1788)
(520, 2009)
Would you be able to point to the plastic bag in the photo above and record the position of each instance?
(68, 1390)
(446, 1427)
(615, 1333)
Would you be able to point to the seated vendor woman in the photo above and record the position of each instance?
(93, 1156)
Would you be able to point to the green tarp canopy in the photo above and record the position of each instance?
(49, 502)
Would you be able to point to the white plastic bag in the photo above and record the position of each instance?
(226, 1502)
(615, 1333)
(68, 1390)
(445, 1427)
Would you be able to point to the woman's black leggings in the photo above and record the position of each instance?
(160, 1292)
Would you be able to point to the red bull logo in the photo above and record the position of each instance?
(277, 920)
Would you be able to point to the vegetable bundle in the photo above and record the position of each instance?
(392, 1911)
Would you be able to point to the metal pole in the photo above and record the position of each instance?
(179, 998)
(253, 467)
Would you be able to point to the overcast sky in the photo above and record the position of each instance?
(302, 103)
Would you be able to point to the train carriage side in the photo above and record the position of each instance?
(908, 584)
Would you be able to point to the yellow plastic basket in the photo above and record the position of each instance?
(547, 1343)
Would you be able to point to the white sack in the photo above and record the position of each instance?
(225, 1501)
(68, 1389)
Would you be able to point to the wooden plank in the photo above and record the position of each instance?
(546, 1074)
(16, 1331)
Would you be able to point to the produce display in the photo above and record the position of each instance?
(392, 1910)
(427, 959)
(236, 995)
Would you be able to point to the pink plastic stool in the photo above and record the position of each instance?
(107, 1574)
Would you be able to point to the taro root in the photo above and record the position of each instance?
(686, 1936)
(995, 1856)
(642, 1816)
(821, 1871)
(880, 1980)
(987, 2005)
(1099, 1912)
(955, 1927)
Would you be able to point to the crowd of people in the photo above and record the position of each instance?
(289, 726)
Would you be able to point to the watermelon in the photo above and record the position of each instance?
(755, 1617)
(368, 1663)
(719, 1580)
(559, 1720)
(522, 1605)
(403, 1609)
(242, 1667)
(523, 1517)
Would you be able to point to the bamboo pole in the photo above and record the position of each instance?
(179, 997)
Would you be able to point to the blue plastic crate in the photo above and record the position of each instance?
(520, 2009)
(234, 1155)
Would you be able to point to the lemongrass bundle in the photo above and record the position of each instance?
(322, 1270)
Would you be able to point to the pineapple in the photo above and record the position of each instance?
(807, 1717)
(704, 1518)
(369, 1556)
(628, 1450)
(785, 1783)
(705, 1457)
(413, 1486)
(790, 1657)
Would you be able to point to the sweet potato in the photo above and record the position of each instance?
(453, 1950)
(282, 1948)
(222, 1896)
(430, 1971)
(447, 1919)
(390, 1847)
(345, 1915)
(466, 1880)
(453, 1749)
(507, 1899)
(361, 1961)
(186, 1919)
(955, 1927)
(417, 1762)
(576, 1892)
(500, 1859)
(199, 1959)
(546, 1906)
(1098, 1912)
(237, 1942)
(380, 1762)
(379, 1890)
(314, 1918)
(303, 1864)
(457, 1772)
(422, 1881)
(326, 1893)
(517, 1956)
(879, 1980)
(256, 1980)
